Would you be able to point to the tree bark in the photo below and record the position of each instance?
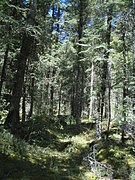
(133, 37)
(91, 92)
(31, 98)
(23, 104)
(109, 110)
(13, 114)
(79, 70)
(104, 80)
(105, 63)
(124, 87)
(98, 120)
(4, 68)
(52, 93)
(54, 70)
(59, 103)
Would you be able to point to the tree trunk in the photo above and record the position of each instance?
(133, 37)
(54, 70)
(79, 70)
(59, 103)
(104, 80)
(13, 114)
(23, 104)
(103, 86)
(98, 120)
(77, 102)
(91, 92)
(4, 68)
(124, 87)
(109, 110)
(73, 100)
(105, 63)
(31, 98)
(52, 93)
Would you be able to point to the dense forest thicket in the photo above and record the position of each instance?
(67, 89)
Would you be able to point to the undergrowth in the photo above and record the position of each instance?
(43, 149)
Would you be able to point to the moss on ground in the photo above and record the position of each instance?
(42, 149)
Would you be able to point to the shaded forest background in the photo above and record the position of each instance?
(67, 75)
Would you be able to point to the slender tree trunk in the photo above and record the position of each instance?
(103, 86)
(51, 100)
(72, 100)
(104, 82)
(109, 110)
(77, 105)
(98, 120)
(106, 108)
(124, 87)
(4, 68)
(23, 104)
(59, 103)
(82, 89)
(31, 98)
(44, 96)
(91, 91)
(48, 93)
(105, 64)
(54, 70)
(52, 93)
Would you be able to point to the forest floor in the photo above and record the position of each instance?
(43, 149)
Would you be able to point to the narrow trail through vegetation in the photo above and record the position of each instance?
(45, 152)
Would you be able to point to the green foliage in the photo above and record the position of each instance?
(3, 115)
(118, 157)
(50, 152)
(60, 62)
